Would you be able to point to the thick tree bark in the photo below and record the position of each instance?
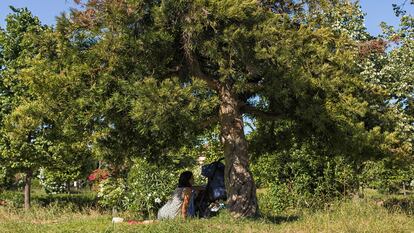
(241, 189)
(27, 185)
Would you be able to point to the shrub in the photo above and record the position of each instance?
(77, 201)
(299, 177)
(3, 176)
(387, 176)
(275, 199)
(56, 181)
(146, 188)
(12, 198)
(52, 182)
(112, 193)
(98, 175)
(149, 187)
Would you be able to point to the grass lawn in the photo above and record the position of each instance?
(346, 216)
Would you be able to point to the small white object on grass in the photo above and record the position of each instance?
(117, 220)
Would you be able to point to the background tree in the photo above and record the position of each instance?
(36, 131)
(393, 71)
(21, 139)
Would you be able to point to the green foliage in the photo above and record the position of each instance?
(36, 132)
(12, 198)
(146, 188)
(276, 198)
(22, 144)
(140, 96)
(145, 80)
(112, 193)
(300, 177)
(54, 181)
(75, 201)
(3, 177)
(192, 101)
(387, 176)
(387, 80)
(211, 149)
(390, 74)
(150, 187)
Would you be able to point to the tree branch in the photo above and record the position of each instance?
(194, 64)
(195, 70)
(245, 108)
(209, 121)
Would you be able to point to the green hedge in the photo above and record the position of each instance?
(74, 201)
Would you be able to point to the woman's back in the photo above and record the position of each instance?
(173, 207)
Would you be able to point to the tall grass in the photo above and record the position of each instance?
(346, 216)
(353, 216)
(51, 219)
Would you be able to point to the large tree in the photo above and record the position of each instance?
(162, 72)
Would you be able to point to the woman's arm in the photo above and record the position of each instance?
(186, 202)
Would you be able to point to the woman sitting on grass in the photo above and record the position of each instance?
(182, 200)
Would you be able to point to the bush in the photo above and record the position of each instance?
(387, 176)
(3, 176)
(59, 181)
(53, 182)
(12, 198)
(301, 178)
(150, 187)
(112, 193)
(76, 201)
(144, 191)
(98, 175)
(275, 199)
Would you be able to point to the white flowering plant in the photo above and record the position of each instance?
(149, 187)
(145, 190)
(55, 182)
(112, 193)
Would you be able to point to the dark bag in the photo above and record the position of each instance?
(215, 189)
(214, 172)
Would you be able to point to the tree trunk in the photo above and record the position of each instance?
(241, 189)
(27, 184)
(404, 189)
(68, 187)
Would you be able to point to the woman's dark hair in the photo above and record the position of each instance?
(184, 180)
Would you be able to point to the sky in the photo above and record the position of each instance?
(46, 10)
(376, 10)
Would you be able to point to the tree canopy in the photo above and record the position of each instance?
(120, 79)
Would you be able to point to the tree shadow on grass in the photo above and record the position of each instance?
(278, 219)
(402, 205)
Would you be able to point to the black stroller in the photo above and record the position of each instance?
(210, 200)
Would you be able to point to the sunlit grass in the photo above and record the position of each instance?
(346, 216)
(353, 216)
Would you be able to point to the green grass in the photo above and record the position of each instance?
(346, 216)
(51, 219)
